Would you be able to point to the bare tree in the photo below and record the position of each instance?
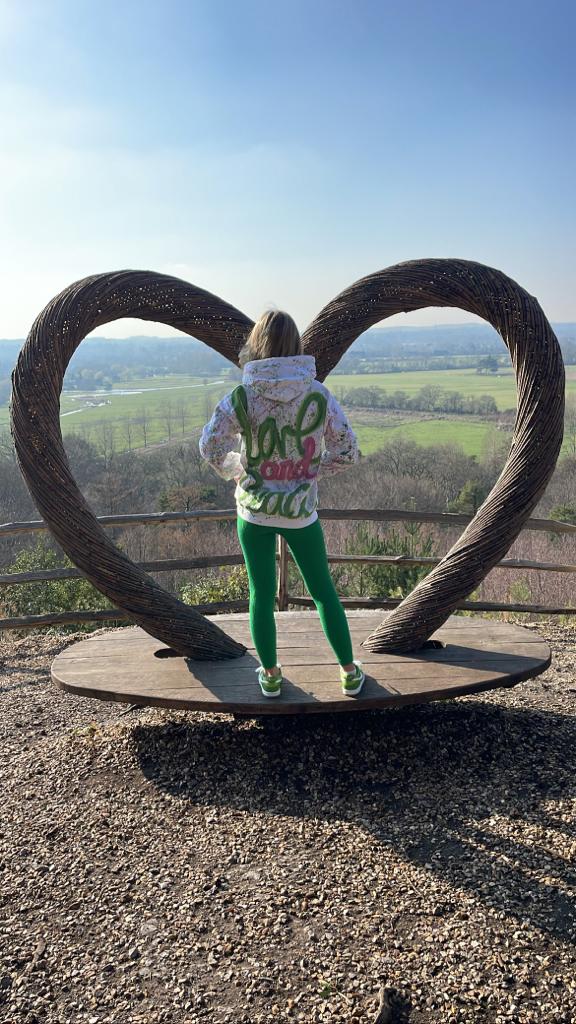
(167, 417)
(106, 439)
(128, 427)
(182, 414)
(175, 469)
(207, 402)
(144, 421)
(84, 430)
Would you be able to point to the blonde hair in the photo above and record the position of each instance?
(274, 334)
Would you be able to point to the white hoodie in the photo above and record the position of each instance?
(291, 427)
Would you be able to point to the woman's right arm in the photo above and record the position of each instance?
(341, 443)
(218, 439)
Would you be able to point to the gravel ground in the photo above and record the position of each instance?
(163, 866)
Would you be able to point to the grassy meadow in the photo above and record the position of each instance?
(149, 416)
(472, 437)
(153, 397)
(162, 408)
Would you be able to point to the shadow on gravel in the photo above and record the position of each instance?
(441, 784)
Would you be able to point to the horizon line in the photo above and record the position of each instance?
(399, 327)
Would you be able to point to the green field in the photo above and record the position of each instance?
(151, 416)
(88, 410)
(174, 406)
(472, 437)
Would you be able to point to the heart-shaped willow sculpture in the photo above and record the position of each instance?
(94, 301)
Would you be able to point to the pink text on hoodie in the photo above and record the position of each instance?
(292, 429)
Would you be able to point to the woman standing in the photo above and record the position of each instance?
(292, 429)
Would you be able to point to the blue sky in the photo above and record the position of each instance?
(273, 153)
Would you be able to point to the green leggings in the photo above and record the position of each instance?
(307, 546)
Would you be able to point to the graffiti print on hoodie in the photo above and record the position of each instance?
(291, 430)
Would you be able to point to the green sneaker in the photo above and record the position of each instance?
(352, 682)
(271, 686)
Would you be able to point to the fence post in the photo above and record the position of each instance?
(282, 595)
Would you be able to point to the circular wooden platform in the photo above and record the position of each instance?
(127, 665)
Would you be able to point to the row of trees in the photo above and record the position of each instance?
(91, 380)
(355, 363)
(427, 399)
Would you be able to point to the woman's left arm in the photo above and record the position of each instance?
(217, 441)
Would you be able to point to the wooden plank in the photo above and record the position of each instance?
(303, 637)
(453, 654)
(252, 704)
(297, 682)
(116, 667)
(300, 634)
(141, 665)
(302, 620)
(299, 646)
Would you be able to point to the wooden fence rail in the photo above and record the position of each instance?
(285, 599)
(215, 561)
(470, 606)
(106, 615)
(163, 565)
(371, 514)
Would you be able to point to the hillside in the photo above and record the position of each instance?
(144, 356)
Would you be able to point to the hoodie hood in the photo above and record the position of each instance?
(281, 378)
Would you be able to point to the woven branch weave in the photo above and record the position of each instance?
(538, 432)
(37, 383)
(94, 301)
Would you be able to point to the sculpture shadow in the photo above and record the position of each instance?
(437, 783)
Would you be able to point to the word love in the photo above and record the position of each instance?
(271, 439)
(292, 469)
